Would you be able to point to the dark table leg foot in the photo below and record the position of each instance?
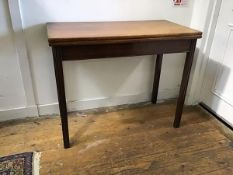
(65, 131)
(184, 84)
(158, 66)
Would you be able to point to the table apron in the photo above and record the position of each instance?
(82, 52)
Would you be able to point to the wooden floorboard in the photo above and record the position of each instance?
(132, 141)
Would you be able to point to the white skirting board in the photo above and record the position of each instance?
(53, 109)
(17, 113)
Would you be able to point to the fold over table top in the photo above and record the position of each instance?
(69, 33)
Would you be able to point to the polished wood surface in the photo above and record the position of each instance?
(184, 83)
(61, 95)
(157, 73)
(136, 48)
(135, 141)
(95, 32)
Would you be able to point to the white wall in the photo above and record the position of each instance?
(99, 82)
(204, 18)
(12, 93)
(94, 83)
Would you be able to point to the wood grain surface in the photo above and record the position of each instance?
(94, 32)
(135, 141)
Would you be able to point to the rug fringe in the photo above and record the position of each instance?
(36, 163)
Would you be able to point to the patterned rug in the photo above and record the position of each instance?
(20, 164)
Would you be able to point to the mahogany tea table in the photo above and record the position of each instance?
(93, 40)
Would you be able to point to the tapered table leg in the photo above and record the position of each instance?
(61, 94)
(184, 84)
(158, 66)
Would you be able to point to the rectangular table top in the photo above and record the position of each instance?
(96, 32)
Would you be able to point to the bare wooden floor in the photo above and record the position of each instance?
(126, 142)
